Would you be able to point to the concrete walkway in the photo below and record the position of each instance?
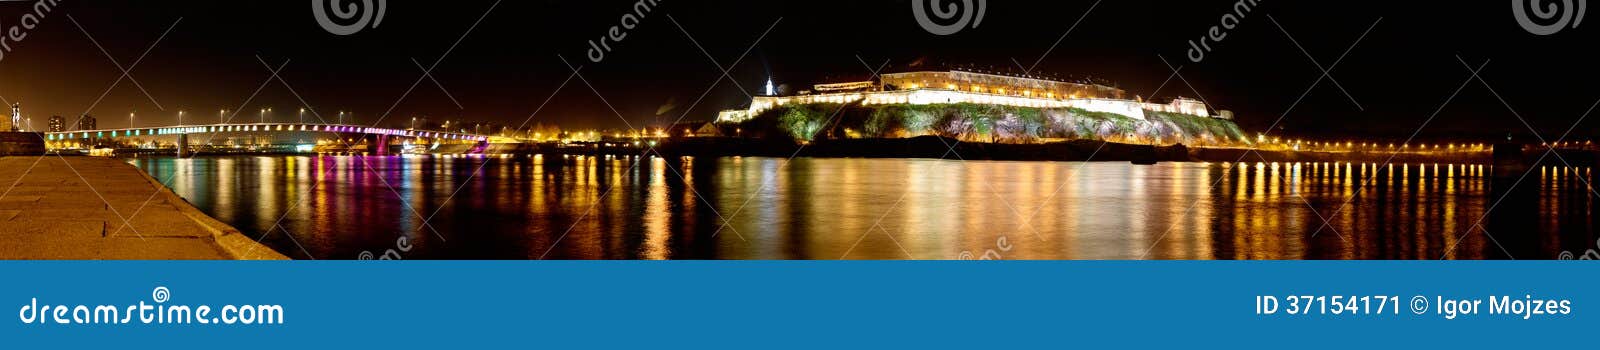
(80, 208)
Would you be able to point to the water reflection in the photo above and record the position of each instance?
(572, 207)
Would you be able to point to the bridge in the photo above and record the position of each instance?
(270, 137)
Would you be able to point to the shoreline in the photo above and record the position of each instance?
(929, 147)
(93, 208)
(229, 240)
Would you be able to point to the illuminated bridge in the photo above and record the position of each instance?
(271, 137)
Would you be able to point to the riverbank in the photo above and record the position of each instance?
(1074, 150)
(21, 143)
(90, 208)
(947, 148)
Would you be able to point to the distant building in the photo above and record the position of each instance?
(87, 122)
(695, 129)
(855, 86)
(57, 123)
(960, 86)
(733, 115)
(995, 84)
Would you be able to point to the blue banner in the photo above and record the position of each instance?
(781, 304)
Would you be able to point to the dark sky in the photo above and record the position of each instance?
(505, 68)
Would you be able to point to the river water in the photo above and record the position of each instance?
(573, 207)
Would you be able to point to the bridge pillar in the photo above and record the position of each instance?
(379, 145)
(1509, 161)
(1515, 207)
(183, 146)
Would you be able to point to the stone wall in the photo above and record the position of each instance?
(21, 143)
(927, 96)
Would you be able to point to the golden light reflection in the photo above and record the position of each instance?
(818, 208)
(656, 214)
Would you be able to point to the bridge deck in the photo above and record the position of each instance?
(259, 128)
(80, 208)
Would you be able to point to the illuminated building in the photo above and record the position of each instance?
(995, 84)
(57, 123)
(695, 129)
(958, 86)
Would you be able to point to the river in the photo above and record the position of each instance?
(573, 207)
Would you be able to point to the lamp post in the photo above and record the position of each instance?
(222, 117)
(180, 117)
(130, 120)
(302, 116)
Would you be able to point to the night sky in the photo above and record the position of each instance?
(505, 68)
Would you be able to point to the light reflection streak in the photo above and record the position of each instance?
(814, 208)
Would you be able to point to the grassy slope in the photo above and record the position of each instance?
(987, 123)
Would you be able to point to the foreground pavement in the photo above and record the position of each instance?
(91, 208)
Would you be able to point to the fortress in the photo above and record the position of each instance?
(959, 86)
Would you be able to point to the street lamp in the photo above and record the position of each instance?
(302, 116)
(413, 123)
(180, 117)
(222, 117)
(130, 120)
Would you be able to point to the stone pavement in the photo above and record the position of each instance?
(88, 208)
